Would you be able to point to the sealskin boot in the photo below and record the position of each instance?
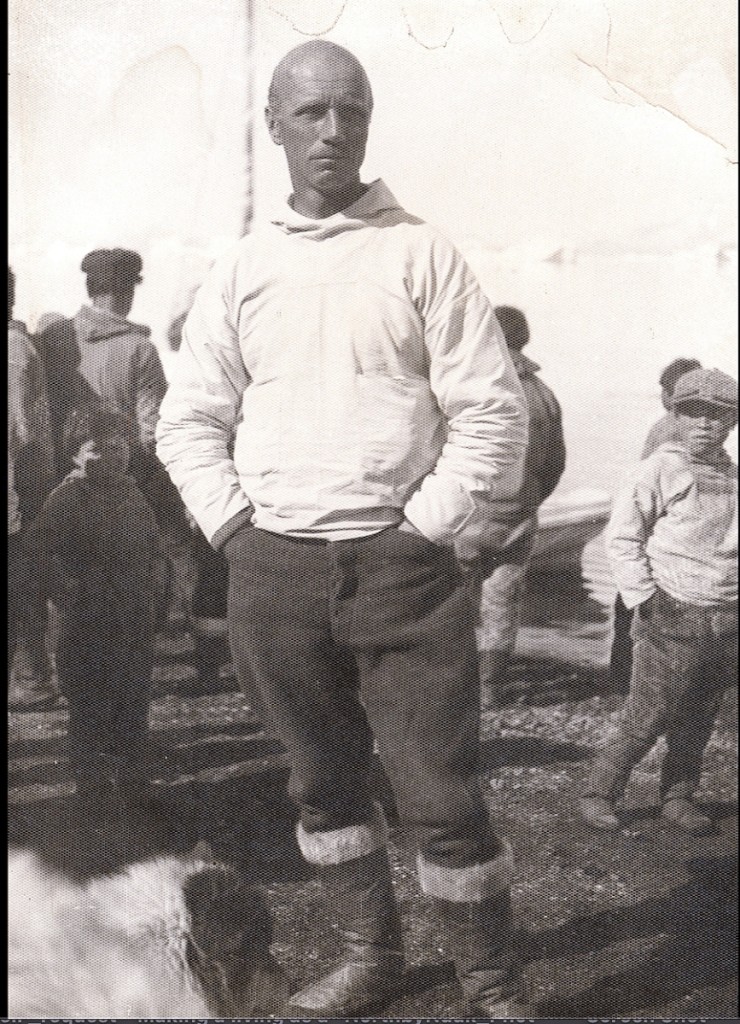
(682, 812)
(361, 894)
(479, 938)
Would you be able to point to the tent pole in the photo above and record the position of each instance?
(249, 129)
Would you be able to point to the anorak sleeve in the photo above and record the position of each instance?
(636, 509)
(52, 541)
(478, 393)
(151, 385)
(200, 412)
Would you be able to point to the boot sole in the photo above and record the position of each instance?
(602, 826)
(699, 829)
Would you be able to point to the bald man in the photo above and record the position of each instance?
(345, 408)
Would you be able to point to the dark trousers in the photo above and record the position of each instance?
(24, 600)
(620, 658)
(211, 581)
(18, 572)
(105, 675)
(684, 658)
(360, 639)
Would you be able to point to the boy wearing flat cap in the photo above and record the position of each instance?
(672, 542)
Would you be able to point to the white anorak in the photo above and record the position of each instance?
(337, 374)
(675, 526)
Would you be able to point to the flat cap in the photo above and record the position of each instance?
(710, 386)
(112, 269)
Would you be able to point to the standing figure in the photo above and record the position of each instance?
(661, 432)
(30, 478)
(672, 542)
(101, 563)
(99, 357)
(349, 354)
(504, 567)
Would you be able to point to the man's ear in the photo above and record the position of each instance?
(273, 127)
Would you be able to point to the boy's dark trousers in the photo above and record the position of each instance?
(684, 657)
(360, 639)
(620, 658)
(105, 674)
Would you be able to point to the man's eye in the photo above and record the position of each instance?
(352, 115)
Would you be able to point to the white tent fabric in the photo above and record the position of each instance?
(128, 127)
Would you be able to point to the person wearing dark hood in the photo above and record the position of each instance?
(500, 576)
(348, 353)
(101, 359)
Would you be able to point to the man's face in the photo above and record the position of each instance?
(321, 117)
(703, 427)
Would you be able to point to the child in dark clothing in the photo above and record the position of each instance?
(102, 564)
(672, 541)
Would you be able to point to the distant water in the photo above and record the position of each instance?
(602, 330)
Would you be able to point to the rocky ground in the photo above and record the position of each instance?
(637, 924)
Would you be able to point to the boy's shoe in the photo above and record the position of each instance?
(598, 812)
(683, 813)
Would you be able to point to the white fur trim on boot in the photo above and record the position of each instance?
(336, 846)
(467, 885)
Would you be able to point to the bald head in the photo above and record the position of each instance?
(319, 110)
(317, 58)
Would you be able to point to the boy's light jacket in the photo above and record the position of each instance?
(675, 526)
(356, 371)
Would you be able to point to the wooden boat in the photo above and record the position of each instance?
(567, 522)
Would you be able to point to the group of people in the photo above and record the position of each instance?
(360, 440)
(94, 521)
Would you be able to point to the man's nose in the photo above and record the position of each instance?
(332, 127)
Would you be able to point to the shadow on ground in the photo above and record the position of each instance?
(696, 924)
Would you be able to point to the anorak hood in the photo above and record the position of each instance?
(524, 366)
(93, 324)
(373, 206)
